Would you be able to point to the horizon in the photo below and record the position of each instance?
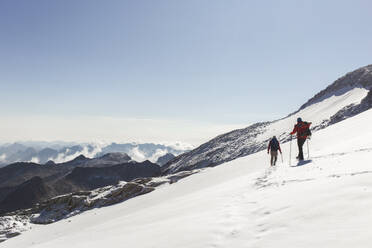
(122, 71)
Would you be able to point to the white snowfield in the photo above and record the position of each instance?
(317, 112)
(243, 203)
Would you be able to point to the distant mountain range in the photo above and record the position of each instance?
(24, 184)
(59, 152)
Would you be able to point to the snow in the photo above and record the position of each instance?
(242, 203)
(242, 142)
(317, 112)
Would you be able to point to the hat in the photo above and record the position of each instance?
(299, 119)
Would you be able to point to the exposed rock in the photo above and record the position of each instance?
(25, 195)
(165, 159)
(11, 226)
(45, 181)
(65, 206)
(221, 149)
(71, 204)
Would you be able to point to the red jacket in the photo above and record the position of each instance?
(300, 129)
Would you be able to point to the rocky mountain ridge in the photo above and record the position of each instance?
(24, 184)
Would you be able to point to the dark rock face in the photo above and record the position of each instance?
(15, 174)
(106, 160)
(93, 177)
(117, 157)
(24, 184)
(165, 159)
(221, 149)
(71, 204)
(25, 195)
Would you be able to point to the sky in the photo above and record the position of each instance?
(168, 70)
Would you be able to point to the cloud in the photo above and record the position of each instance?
(64, 157)
(137, 155)
(158, 153)
(3, 158)
(177, 145)
(35, 160)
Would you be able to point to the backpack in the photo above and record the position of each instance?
(307, 131)
(274, 145)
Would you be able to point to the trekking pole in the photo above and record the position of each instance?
(290, 150)
(308, 153)
(281, 155)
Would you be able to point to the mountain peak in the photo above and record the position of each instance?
(80, 157)
(359, 78)
(116, 156)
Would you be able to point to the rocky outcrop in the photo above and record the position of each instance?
(25, 195)
(221, 149)
(165, 159)
(12, 226)
(39, 182)
(71, 204)
(89, 178)
(65, 206)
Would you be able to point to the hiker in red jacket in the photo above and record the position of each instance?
(273, 147)
(303, 131)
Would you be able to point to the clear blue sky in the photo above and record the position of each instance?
(219, 62)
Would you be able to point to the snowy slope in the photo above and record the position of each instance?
(255, 138)
(346, 97)
(242, 203)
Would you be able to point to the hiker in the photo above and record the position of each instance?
(273, 147)
(302, 128)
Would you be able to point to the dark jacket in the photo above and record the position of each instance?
(274, 145)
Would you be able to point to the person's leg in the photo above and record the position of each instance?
(274, 155)
(300, 143)
(272, 158)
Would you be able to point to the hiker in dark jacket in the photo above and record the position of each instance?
(273, 147)
(303, 131)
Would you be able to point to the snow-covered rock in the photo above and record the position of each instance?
(68, 205)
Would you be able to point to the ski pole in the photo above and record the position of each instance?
(281, 155)
(308, 153)
(290, 150)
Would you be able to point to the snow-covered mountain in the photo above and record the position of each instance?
(242, 203)
(42, 152)
(346, 97)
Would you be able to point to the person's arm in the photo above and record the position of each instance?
(280, 150)
(268, 147)
(294, 130)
